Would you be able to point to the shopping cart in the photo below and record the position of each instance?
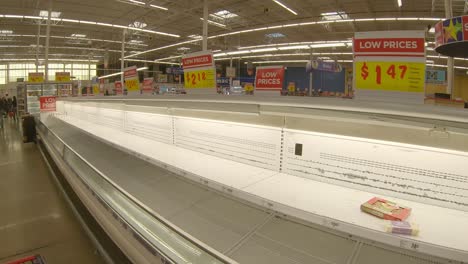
(36, 259)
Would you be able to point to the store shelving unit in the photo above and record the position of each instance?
(21, 99)
(29, 93)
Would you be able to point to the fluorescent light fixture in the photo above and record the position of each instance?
(183, 48)
(12, 16)
(195, 36)
(137, 2)
(327, 45)
(214, 23)
(285, 7)
(385, 19)
(159, 7)
(6, 32)
(78, 35)
(118, 73)
(168, 58)
(136, 41)
(430, 61)
(399, 3)
(263, 50)
(238, 52)
(45, 13)
(219, 54)
(407, 18)
(294, 47)
(224, 14)
(280, 61)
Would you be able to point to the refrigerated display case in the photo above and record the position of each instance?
(21, 99)
(31, 92)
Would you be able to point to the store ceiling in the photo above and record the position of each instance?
(182, 18)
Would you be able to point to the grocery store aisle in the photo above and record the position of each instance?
(35, 218)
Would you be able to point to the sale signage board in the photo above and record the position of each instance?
(392, 61)
(118, 88)
(47, 103)
(204, 78)
(197, 60)
(199, 70)
(269, 78)
(132, 82)
(36, 77)
(148, 85)
(62, 76)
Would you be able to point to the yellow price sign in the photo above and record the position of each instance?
(132, 84)
(95, 89)
(200, 78)
(390, 76)
(62, 76)
(36, 77)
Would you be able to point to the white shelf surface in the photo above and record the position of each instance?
(443, 231)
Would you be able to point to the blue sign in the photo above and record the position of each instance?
(175, 70)
(435, 76)
(222, 81)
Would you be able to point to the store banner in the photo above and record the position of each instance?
(131, 80)
(269, 78)
(36, 77)
(47, 103)
(199, 70)
(148, 85)
(451, 30)
(62, 77)
(230, 72)
(439, 34)
(465, 28)
(323, 66)
(390, 61)
(118, 88)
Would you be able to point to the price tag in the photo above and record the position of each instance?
(390, 76)
(200, 78)
(132, 84)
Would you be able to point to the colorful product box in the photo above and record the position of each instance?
(386, 209)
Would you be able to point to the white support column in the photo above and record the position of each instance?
(39, 22)
(46, 57)
(230, 78)
(122, 62)
(450, 60)
(205, 25)
(311, 76)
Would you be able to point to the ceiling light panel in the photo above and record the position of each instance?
(45, 13)
(224, 14)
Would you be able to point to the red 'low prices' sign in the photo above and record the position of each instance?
(47, 103)
(400, 45)
(201, 60)
(269, 78)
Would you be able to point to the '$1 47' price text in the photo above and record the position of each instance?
(392, 71)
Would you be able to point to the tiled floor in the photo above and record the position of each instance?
(34, 218)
